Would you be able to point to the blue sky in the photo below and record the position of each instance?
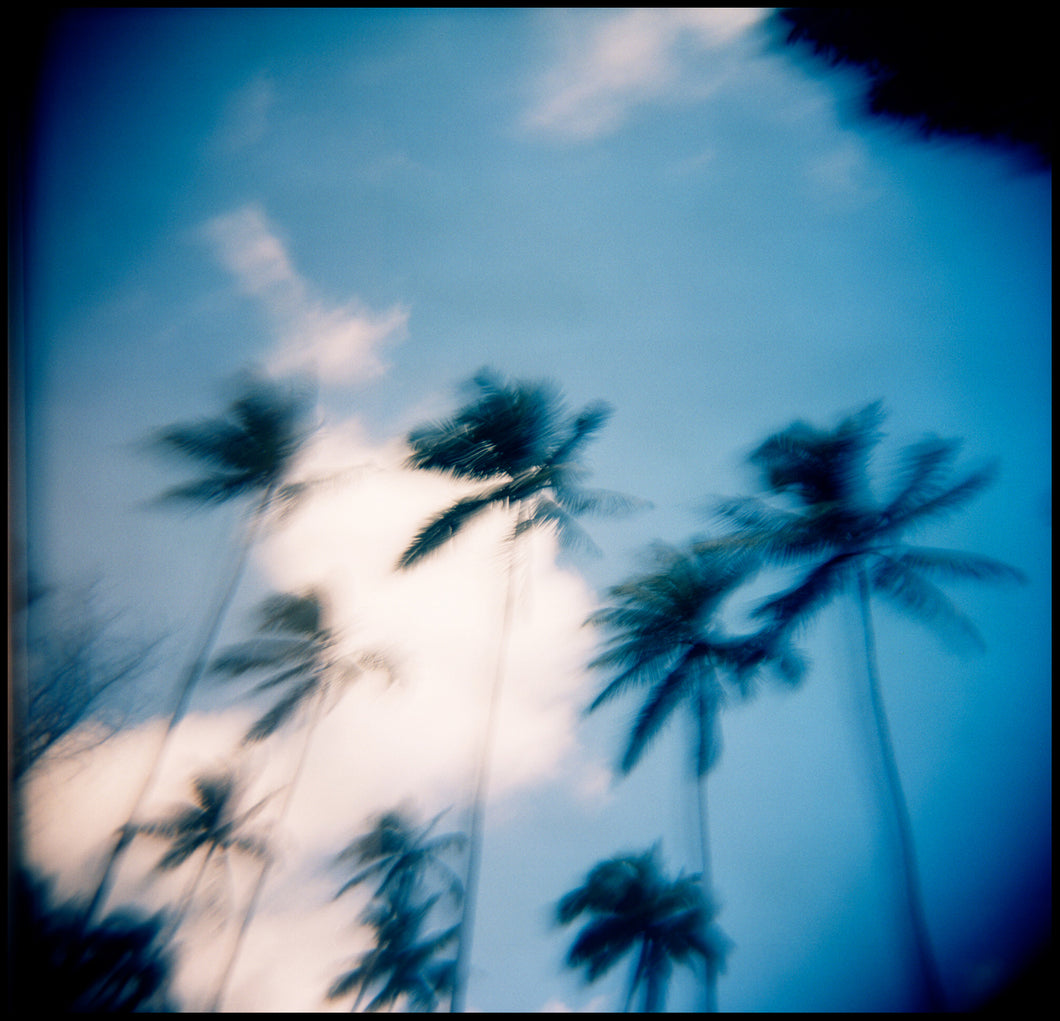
(654, 208)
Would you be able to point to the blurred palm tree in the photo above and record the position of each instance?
(403, 857)
(210, 823)
(298, 652)
(633, 908)
(667, 639)
(247, 453)
(518, 441)
(60, 965)
(853, 540)
(411, 876)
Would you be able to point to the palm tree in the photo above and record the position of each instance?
(209, 823)
(520, 444)
(632, 907)
(248, 453)
(60, 965)
(297, 651)
(851, 539)
(408, 863)
(402, 961)
(403, 856)
(666, 638)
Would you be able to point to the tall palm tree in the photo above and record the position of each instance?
(411, 875)
(247, 453)
(518, 442)
(853, 540)
(297, 651)
(633, 908)
(666, 639)
(210, 823)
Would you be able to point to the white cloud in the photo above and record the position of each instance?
(614, 62)
(415, 740)
(336, 343)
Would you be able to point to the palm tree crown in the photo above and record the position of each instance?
(248, 450)
(834, 519)
(666, 635)
(519, 438)
(209, 822)
(297, 652)
(402, 856)
(632, 907)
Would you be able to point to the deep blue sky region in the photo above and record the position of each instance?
(659, 208)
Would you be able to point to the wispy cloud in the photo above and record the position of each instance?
(245, 119)
(614, 62)
(338, 343)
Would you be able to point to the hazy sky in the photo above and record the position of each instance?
(654, 208)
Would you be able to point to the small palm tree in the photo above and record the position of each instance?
(210, 823)
(520, 444)
(667, 640)
(402, 964)
(408, 865)
(403, 856)
(851, 539)
(248, 453)
(297, 652)
(633, 908)
(59, 965)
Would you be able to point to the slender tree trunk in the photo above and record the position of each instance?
(704, 716)
(252, 904)
(928, 968)
(193, 676)
(476, 822)
(635, 976)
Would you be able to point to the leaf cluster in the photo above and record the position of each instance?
(405, 964)
(520, 439)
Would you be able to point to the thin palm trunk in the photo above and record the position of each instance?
(929, 970)
(635, 975)
(710, 971)
(194, 675)
(476, 822)
(255, 897)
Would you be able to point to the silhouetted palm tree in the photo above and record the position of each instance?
(403, 857)
(667, 640)
(633, 908)
(248, 453)
(211, 823)
(403, 964)
(853, 540)
(408, 865)
(60, 965)
(298, 653)
(519, 441)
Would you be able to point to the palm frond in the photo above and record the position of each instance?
(936, 505)
(267, 652)
(282, 711)
(796, 607)
(913, 593)
(443, 527)
(923, 470)
(957, 565)
(657, 708)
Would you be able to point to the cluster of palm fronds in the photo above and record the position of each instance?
(665, 639)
